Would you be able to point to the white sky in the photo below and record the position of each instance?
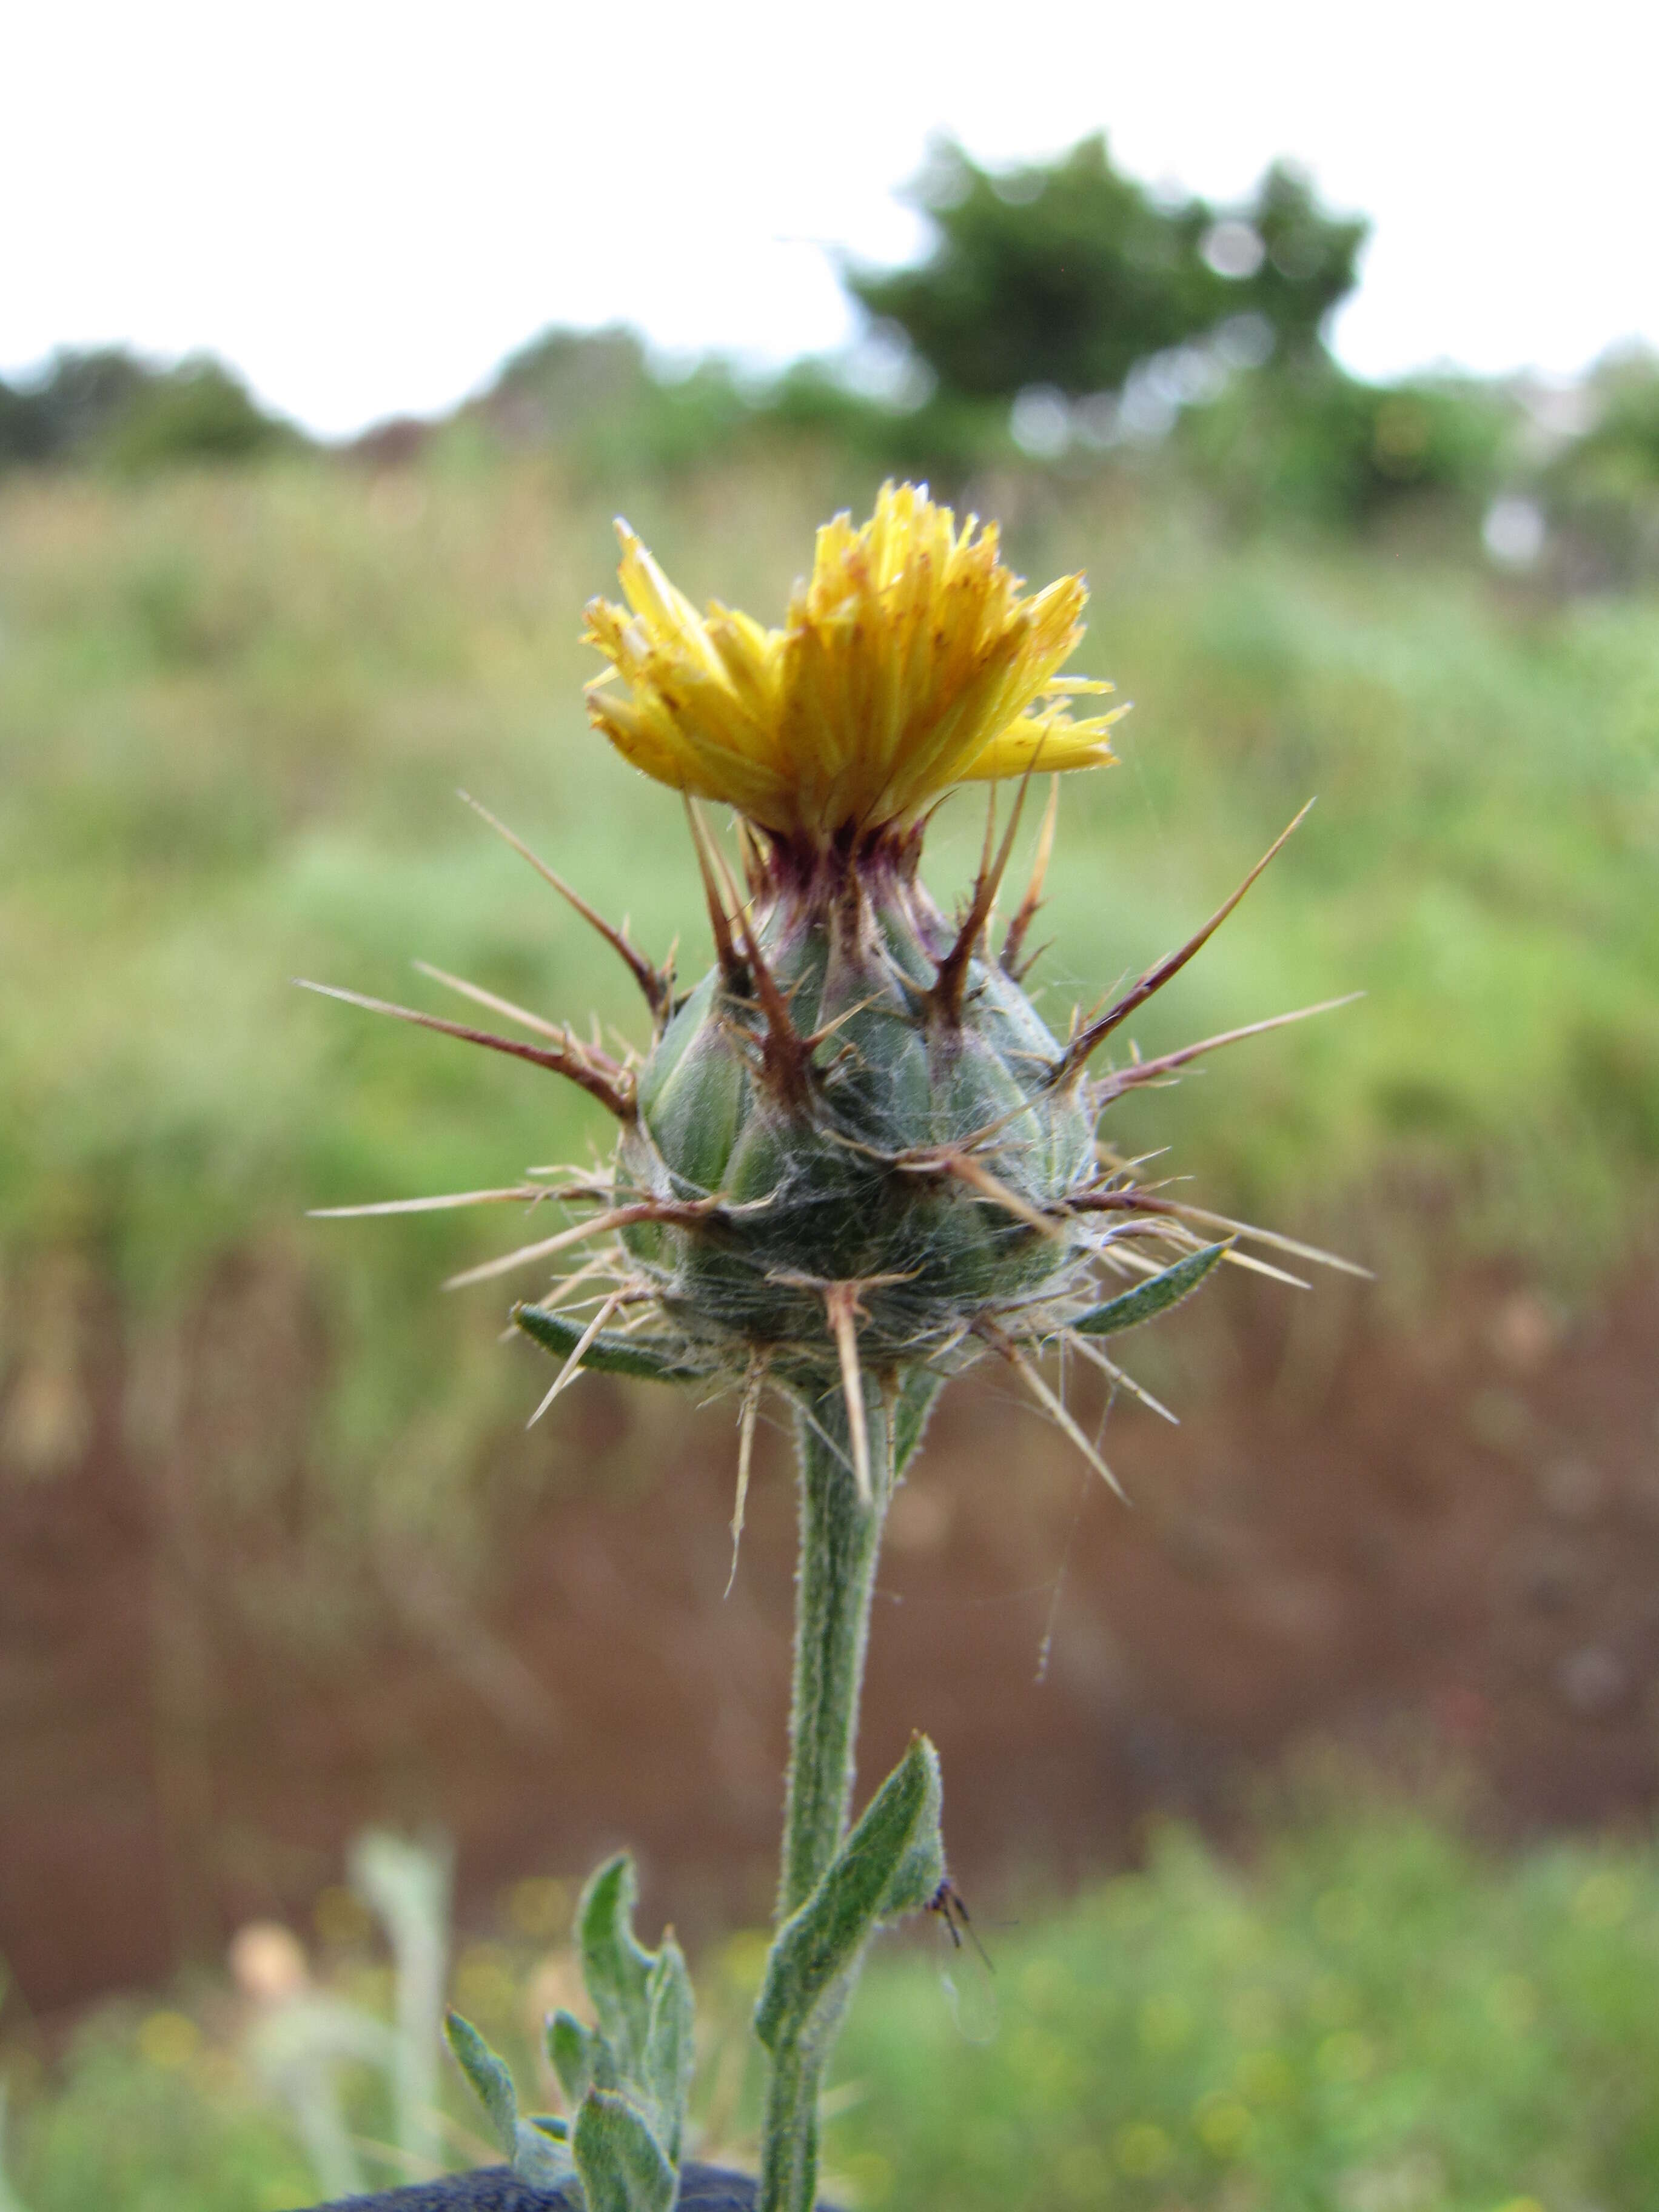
(365, 206)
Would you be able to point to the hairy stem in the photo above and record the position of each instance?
(789, 2148)
(840, 1539)
(835, 1580)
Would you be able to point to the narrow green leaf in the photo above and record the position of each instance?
(541, 2157)
(622, 2166)
(892, 1862)
(573, 2050)
(670, 2052)
(491, 2082)
(616, 1967)
(1155, 1296)
(608, 1354)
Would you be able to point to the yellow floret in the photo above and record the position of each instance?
(908, 663)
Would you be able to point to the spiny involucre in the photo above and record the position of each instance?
(855, 1153)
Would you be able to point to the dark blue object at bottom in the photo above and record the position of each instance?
(497, 2189)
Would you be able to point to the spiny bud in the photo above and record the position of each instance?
(854, 1150)
(871, 1100)
(875, 1104)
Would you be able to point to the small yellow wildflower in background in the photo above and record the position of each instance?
(1266, 2077)
(540, 1907)
(1223, 2125)
(1142, 2147)
(169, 2038)
(871, 2177)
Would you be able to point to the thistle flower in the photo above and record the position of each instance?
(908, 663)
(853, 1159)
(854, 1152)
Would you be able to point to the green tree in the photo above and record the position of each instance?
(1308, 263)
(1311, 442)
(104, 403)
(197, 411)
(1068, 273)
(62, 412)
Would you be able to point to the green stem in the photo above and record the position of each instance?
(834, 1581)
(789, 2143)
(840, 1539)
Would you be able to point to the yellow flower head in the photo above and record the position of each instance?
(908, 663)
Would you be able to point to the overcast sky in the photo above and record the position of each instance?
(364, 207)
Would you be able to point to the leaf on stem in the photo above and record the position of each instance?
(622, 2167)
(486, 2076)
(891, 1863)
(534, 2148)
(608, 1353)
(1155, 1296)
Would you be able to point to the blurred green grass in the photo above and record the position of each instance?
(234, 710)
(1375, 2016)
(235, 707)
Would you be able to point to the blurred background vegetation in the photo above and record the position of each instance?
(1065, 313)
(262, 1488)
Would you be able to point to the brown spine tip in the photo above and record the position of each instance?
(733, 973)
(1094, 1033)
(1014, 943)
(750, 853)
(786, 1067)
(656, 983)
(950, 989)
(600, 1076)
(1154, 1071)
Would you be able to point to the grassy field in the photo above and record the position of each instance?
(235, 710)
(1376, 2018)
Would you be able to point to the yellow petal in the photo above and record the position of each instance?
(908, 662)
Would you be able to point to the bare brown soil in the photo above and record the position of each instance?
(1445, 1539)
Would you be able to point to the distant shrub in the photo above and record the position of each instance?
(198, 411)
(595, 397)
(1064, 309)
(1602, 489)
(1320, 445)
(563, 384)
(946, 438)
(107, 405)
(65, 411)
(1069, 273)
